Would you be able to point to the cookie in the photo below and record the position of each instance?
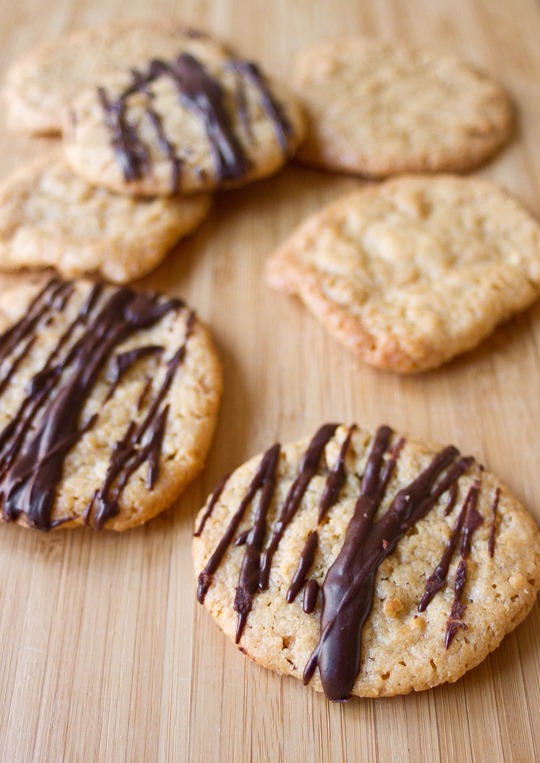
(200, 120)
(368, 565)
(414, 271)
(108, 400)
(378, 108)
(40, 86)
(51, 217)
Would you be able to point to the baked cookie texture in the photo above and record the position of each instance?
(40, 86)
(414, 271)
(109, 399)
(425, 561)
(51, 217)
(198, 120)
(378, 108)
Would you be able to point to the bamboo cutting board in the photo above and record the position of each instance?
(104, 654)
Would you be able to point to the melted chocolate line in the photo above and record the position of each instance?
(473, 520)
(311, 592)
(455, 620)
(492, 530)
(140, 84)
(30, 468)
(216, 495)
(388, 469)
(271, 107)
(129, 149)
(266, 469)
(308, 469)
(248, 582)
(452, 497)
(349, 583)
(304, 565)
(438, 578)
(335, 479)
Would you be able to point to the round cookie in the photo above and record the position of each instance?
(200, 120)
(414, 271)
(377, 109)
(368, 565)
(40, 86)
(51, 217)
(108, 404)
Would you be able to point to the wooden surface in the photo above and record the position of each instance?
(104, 654)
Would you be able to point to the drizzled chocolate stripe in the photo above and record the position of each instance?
(473, 520)
(46, 425)
(216, 495)
(203, 95)
(438, 578)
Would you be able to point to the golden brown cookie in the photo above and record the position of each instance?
(40, 85)
(51, 217)
(368, 565)
(414, 271)
(378, 108)
(199, 120)
(108, 400)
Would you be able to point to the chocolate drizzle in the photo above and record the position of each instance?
(348, 588)
(203, 95)
(473, 520)
(47, 423)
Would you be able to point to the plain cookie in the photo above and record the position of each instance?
(51, 217)
(200, 120)
(368, 565)
(378, 108)
(40, 86)
(109, 399)
(414, 271)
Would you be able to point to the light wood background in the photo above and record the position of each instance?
(104, 654)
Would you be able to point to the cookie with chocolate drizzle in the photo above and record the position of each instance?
(366, 564)
(108, 404)
(198, 120)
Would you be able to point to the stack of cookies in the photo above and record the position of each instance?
(365, 563)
